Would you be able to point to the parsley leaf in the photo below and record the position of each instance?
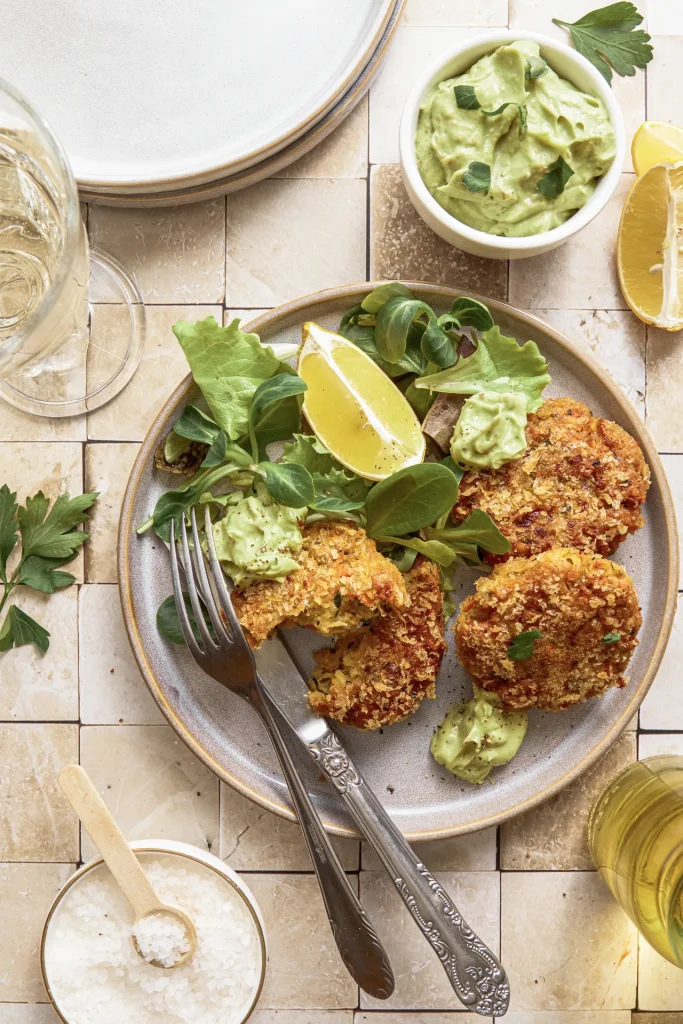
(19, 629)
(551, 185)
(42, 574)
(607, 38)
(466, 97)
(8, 526)
(53, 534)
(477, 177)
(535, 67)
(611, 638)
(522, 646)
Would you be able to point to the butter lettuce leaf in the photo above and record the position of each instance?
(500, 365)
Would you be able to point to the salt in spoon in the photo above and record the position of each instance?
(120, 859)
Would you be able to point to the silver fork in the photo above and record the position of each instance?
(227, 657)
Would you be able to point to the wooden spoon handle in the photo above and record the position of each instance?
(109, 840)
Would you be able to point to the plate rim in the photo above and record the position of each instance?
(271, 148)
(126, 535)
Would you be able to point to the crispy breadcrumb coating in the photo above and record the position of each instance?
(579, 484)
(576, 600)
(342, 581)
(380, 673)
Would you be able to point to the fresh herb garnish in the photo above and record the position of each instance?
(477, 177)
(552, 184)
(607, 37)
(522, 646)
(535, 67)
(466, 99)
(611, 638)
(410, 500)
(49, 539)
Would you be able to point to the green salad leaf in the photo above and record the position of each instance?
(337, 490)
(363, 335)
(499, 364)
(522, 646)
(290, 485)
(195, 425)
(373, 302)
(478, 530)
(469, 312)
(607, 38)
(552, 184)
(477, 177)
(173, 504)
(168, 622)
(410, 500)
(275, 410)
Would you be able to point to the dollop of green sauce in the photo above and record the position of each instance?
(476, 735)
(490, 430)
(561, 121)
(258, 539)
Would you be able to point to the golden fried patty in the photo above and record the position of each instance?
(578, 602)
(580, 484)
(342, 581)
(379, 673)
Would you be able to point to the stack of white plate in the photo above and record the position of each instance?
(160, 102)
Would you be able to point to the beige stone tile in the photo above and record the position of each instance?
(29, 467)
(36, 822)
(566, 943)
(255, 839)
(657, 1018)
(299, 1017)
(155, 787)
(673, 467)
(474, 852)
(27, 1013)
(569, 1017)
(412, 48)
(581, 274)
(660, 984)
(403, 247)
(664, 382)
(665, 19)
(305, 969)
(245, 315)
(129, 416)
(420, 979)
(287, 238)
(343, 154)
(112, 691)
(552, 836)
(664, 100)
(107, 468)
(656, 743)
(484, 14)
(16, 425)
(26, 894)
(662, 707)
(176, 254)
(616, 338)
(417, 1018)
(43, 687)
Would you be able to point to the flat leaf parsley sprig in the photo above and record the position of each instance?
(49, 539)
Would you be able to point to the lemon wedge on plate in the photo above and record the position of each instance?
(649, 247)
(354, 408)
(656, 142)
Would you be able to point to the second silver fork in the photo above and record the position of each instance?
(226, 657)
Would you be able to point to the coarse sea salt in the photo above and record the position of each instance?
(97, 977)
(161, 938)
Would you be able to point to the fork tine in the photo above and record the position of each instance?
(204, 587)
(192, 589)
(224, 593)
(183, 617)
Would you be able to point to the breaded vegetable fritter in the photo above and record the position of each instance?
(586, 609)
(342, 581)
(579, 484)
(380, 673)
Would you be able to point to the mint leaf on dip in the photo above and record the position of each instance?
(551, 185)
(477, 177)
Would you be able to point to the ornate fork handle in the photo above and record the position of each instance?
(477, 976)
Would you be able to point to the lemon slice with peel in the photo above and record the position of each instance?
(354, 408)
(650, 247)
(656, 142)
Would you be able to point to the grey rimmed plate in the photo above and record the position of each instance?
(425, 801)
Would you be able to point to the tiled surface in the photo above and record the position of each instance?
(340, 214)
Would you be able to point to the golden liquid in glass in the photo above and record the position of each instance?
(635, 834)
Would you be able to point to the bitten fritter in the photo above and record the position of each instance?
(580, 483)
(342, 582)
(586, 609)
(380, 673)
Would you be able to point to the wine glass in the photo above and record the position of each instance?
(47, 272)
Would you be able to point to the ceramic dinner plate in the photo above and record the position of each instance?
(424, 800)
(154, 95)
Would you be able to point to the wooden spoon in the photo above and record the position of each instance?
(120, 859)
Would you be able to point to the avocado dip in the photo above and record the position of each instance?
(518, 150)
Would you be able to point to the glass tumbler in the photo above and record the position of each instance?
(635, 835)
(49, 364)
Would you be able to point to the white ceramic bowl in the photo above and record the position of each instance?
(568, 64)
(183, 850)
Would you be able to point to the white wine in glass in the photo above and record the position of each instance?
(48, 365)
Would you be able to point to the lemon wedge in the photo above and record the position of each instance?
(656, 142)
(354, 408)
(649, 256)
